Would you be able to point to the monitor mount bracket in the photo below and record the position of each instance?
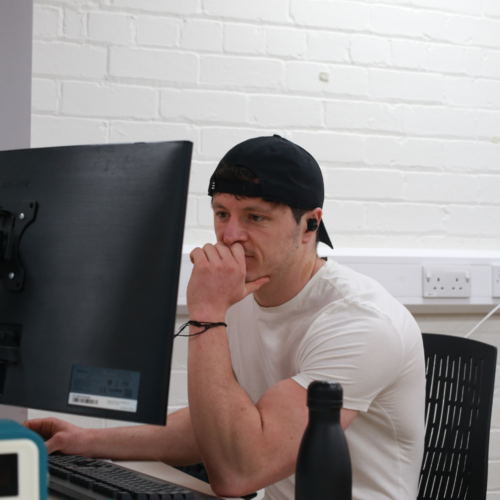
(12, 227)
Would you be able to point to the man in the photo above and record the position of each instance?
(292, 319)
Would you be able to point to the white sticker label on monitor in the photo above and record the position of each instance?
(102, 402)
(104, 388)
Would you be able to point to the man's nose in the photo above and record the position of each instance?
(234, 233)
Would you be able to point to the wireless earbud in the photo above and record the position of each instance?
(312, 224)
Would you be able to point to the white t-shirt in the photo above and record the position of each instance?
(344, 327)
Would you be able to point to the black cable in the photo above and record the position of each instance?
(200, 324)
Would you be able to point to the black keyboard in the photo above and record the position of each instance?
(84, 478)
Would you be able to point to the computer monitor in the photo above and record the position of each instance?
(90, 251)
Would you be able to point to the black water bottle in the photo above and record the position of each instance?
(323, 464)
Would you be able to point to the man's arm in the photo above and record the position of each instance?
(244, 446)
(174, 444)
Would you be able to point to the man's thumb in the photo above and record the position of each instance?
(253, 286)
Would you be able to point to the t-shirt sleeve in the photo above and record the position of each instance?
(355, 345)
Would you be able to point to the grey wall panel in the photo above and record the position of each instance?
(16, 40)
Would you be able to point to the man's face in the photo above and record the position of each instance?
(268, 233)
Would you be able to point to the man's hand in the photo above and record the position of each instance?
(60, 435)
(218, 281)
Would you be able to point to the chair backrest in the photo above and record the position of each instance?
(459, 397)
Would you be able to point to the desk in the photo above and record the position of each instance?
(161, 470)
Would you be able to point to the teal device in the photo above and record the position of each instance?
(23, 463)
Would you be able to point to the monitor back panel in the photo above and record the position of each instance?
(96, 313)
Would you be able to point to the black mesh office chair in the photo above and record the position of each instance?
(459, 399)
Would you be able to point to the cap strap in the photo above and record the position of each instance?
(250, 189)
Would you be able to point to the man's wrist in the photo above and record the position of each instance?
(207, 315)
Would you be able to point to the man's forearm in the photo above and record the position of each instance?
(227, 424)
(173, 444)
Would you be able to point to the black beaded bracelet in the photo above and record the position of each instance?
(200, 324)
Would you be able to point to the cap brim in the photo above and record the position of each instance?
(323, 235)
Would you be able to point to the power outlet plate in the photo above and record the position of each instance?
(447, 282)
(496, 281)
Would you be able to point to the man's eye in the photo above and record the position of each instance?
(221, 215)
(256, 218)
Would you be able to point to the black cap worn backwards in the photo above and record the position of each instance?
(287, 174)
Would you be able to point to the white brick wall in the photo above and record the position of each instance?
(406, 127)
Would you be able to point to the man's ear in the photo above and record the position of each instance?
(311, 221)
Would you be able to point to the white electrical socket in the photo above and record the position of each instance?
(496, 281)
(447, 281)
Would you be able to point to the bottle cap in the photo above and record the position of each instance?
(324, 394)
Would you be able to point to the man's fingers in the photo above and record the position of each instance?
(197, 255)
(223, 250)
(253, 286)
(211, 253)
(238, 253)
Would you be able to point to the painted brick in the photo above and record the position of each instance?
(432, 24)
(49, 131)
(157, 31)
(404, 217)
(256, 10)
(204, 106)
(74, 23)
(363, 116)
(488, 124)
(409, 54)
(242, 72)
(331, 14)
(472, 93)
(458, 6)
(285, 42)
(446, 58)
(323, 46)
(439, 121)
(110, 27)
(491, 65)
(154, 64)
(343, 80)
(399, 85)
(191, 219)
(440, 188)
(492, 8)
(217, 141)
(472, 220)
(459, 29)
(472, 155)
(205, 214)
(244, 39)
(370, 50)
(68, 59)
(390, 151)
(282, 111)
(202, 35)
(361, 184)
(486, 32)
(117, 101)
(46, 22)
(473, 60)
(132, 131)
(346, 216)
(186, 7)
(331, 146)
(44, 95)
(489, 190)
(390, 20)
(201, 171)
